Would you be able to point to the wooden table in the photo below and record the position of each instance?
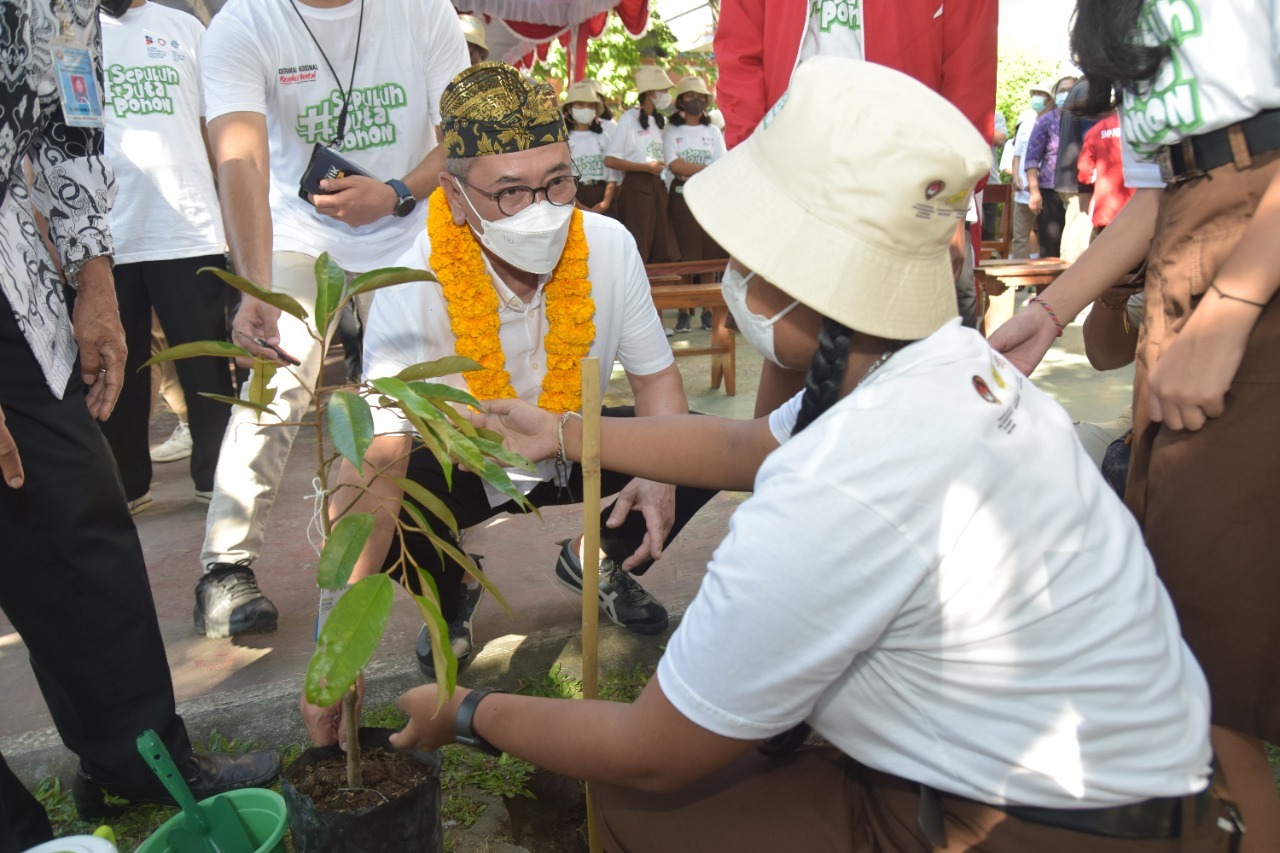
(997, 282)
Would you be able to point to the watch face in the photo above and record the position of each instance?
(406, 205)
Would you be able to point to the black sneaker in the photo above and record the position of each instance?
(206, 773)
(706, 320)
(459, 633)
(228, 602)
(682, 322)
(623, 600)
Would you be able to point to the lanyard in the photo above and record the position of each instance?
(346, 94)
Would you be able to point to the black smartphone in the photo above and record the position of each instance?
(284, 356)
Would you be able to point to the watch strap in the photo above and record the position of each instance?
(462, 723)
(405, 200)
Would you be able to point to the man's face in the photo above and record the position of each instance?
(494, 173)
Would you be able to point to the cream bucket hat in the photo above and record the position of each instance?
(473, 31)
(583, 92)
(651, 78)
(692, 84)
(847, 195)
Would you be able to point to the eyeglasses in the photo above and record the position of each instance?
(559, 191)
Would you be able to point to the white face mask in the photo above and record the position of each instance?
(532, 240)
(661, 100)
(756, 329)
(583, 115)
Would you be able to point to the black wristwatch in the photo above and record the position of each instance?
(405, 202)
(463, 733)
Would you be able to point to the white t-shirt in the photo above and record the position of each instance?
(409, 324)
(259, 58)
(937, 579)
(693, 143)
(1224, 68)
(587, 149)
(167, 203)
(835, 29)
(634, 143)
(1020, 141)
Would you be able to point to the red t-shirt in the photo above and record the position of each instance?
(1100, 165)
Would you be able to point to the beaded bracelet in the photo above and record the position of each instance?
(1052, 316)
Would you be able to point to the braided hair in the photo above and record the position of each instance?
(826, 373)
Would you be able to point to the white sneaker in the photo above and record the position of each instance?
(177, 446)
(203, 497)
(137, 505)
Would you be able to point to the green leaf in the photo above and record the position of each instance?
(283, 301)
(236, 401)
(446, 366)
(330, 281)
(472, 566)
(375, 279)
(350, 426)
(441, 649)
(460, 421)
(506, 457)
(349, 638)
(435, 391)
(260, 390)
(222, 349)
(434, 445)
(342, 549)
(409, 400)
(496, 477)
(429, 501)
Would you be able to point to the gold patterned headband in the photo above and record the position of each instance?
(492, 108)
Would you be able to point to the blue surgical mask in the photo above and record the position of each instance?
(1038, 103)
(1060, 99)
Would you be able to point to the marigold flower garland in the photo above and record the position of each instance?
(473, 310)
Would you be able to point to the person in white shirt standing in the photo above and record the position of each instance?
(690, 144)
(167, 226)
(282, 79)
(635, 150)
(588, 139)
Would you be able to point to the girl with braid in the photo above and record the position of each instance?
(930, 573)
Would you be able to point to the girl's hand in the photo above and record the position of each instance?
(1189, 382)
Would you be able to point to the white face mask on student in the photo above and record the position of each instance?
(756, 329)
(583, 115)
(532, 240)
(661, 100)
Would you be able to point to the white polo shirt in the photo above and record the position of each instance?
(409, 324)
(934, 575)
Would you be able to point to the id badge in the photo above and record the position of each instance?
(77, 85)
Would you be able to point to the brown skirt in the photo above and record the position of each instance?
(589, 195)
(1209, 500)
(643, 200)
(695, 243)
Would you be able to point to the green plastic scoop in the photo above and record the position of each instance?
(209, 827)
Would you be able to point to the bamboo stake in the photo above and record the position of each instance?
(591, 555)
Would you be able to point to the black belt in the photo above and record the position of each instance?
(1158, 818)
(1196, 155)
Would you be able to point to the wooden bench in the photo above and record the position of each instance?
(668, 292)
(1000, 195)
(674, 285)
